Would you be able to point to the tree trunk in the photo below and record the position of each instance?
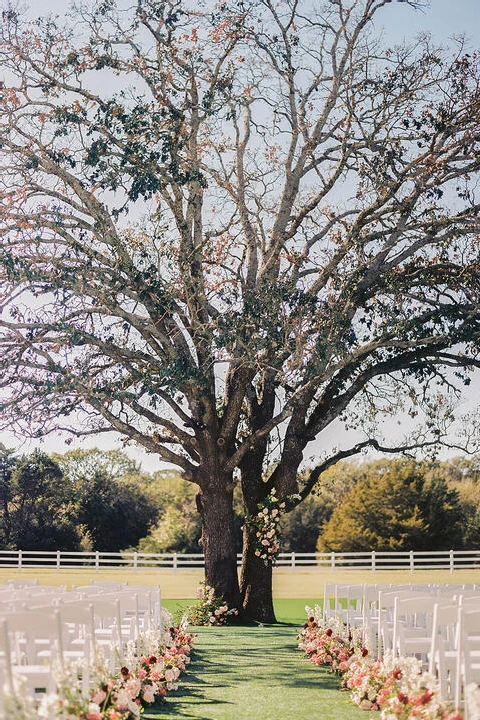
(218, 540)
(255, 582)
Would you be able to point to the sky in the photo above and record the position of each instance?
(444, 19)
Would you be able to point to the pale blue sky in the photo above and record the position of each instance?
(442, 18)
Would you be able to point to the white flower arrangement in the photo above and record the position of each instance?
(210, 608)
(265, 523)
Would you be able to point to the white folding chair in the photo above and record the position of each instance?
(107, 627)
(31, 633)
(21, 583)
(129, 612)
(442, 656)
(138, 605)
(149, 605)
(87, 590)
(78, 627)
(329, 592)
(413, 624)
(109, 585)
(6, 660)
(386, 607)
(468, 657)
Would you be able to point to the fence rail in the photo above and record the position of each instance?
(413, 561)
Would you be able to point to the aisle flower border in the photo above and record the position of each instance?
(152, 669)
(395, 686)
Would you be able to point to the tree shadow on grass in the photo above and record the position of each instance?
(186, 700)
(187, 703)
(246, 661)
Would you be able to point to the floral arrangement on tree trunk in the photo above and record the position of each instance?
(210, 608)
(265, 525)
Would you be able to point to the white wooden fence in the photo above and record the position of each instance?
(414, 560)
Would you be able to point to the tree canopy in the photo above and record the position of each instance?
(79, 500)
(37, 511)
(396, 506)
(113, 505)
(227, 226)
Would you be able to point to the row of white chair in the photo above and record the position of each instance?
(442, 631)
(142, 604)
(440, 625)
(345, 600)
(41, 630)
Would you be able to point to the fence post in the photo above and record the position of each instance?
(55, 559)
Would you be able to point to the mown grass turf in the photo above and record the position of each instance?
(287, 610)
(256, 673)
(299, 583)
(292, 610)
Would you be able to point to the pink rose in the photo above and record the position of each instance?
(133, 687)
(148, 694)
(98, 696)
(169, 675)
(93, 712)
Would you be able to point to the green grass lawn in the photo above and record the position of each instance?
(287, 610)
(256, 673)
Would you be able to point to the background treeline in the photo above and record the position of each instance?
(101, 500)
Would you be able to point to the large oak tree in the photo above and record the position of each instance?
(225, 225)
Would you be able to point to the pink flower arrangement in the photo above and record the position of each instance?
(396, 687)
(324, 646)
(182, 642)
(410, 694)
(142, 682)
(365, 678)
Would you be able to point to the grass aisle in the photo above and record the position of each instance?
(256, 673)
